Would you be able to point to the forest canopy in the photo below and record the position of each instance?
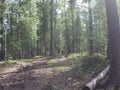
(77, 26)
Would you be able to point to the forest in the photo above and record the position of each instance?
(59, 45)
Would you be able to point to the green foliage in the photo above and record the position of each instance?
(43, 26)
(21, 41)
(37, 57)
(52, 62)
(12, 62)
(90, 65)
(6, 64)
(2, 7)
(73, 55)
(30, 28)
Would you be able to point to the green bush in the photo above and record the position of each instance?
(90, 65)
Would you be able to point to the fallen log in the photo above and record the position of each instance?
(93, 83)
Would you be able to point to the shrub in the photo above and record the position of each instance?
(90, 65)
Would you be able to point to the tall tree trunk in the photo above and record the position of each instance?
(68, 49)
(91, 51)
(5, 46)
(55, 32)
(73, 31)
(37, 48)
(2, 48)
(52, 48)
(114, 44)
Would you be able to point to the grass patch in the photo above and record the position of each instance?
(6, 64)
(37, 57)
(11, 62)
(20, 60)
(73, 55)
(52, 62)
(61, 68)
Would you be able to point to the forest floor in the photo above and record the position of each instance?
(40, 74)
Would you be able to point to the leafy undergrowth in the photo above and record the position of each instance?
(89, 66)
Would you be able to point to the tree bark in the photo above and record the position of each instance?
(72, 28)
(66, 32)
(2, 48)
(52, 48)
(114, 44)
(91, 51)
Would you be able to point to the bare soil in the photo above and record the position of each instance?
(39, 75)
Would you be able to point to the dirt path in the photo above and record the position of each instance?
(39, 75)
